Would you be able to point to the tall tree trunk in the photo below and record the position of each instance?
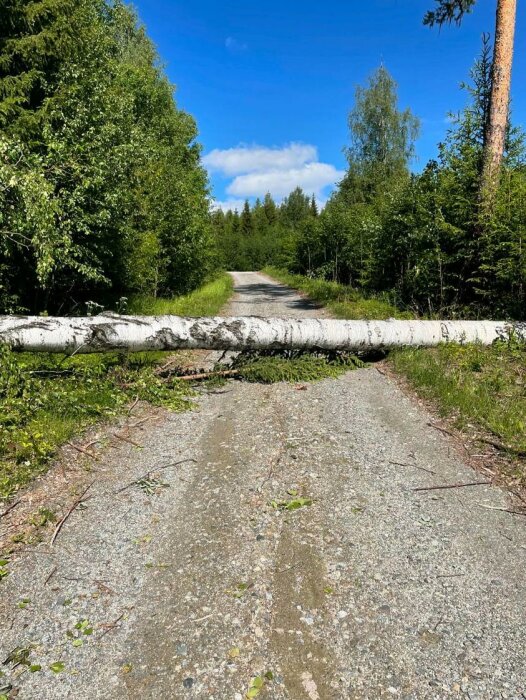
(495, 133)
(137, 333)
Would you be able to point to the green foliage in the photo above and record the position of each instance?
(448, 11)
(46, 399)
(264, 234)
(346, 242)
(382, 137)
(206, 301)
(342, 300)
(101, 188)
(474, 384)
(271, 367)
(417, 240)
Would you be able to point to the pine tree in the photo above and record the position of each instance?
(496, 125)
(246, 223)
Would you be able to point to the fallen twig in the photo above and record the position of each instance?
(127, 439)
(206, 375)
(10, 508)
(82, 450)
(157, 469)
(504, 510)
(202, 619)
(162, 368)
(133, 405)
(139, 422)
(111, 625)
(452, 486)
(416, 466)
(51, 574)
(442, 430)
(501, 446)
(70, 511)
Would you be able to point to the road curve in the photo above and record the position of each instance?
(374, 591)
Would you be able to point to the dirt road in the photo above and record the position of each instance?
(373, 591)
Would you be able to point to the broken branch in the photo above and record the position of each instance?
(70, 511)
(452, 486)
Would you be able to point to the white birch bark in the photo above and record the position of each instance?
(136, 333)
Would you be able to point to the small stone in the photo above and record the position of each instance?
(188, 682)
(342, 614)
(259, 538)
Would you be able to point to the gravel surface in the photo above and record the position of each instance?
(373, 591)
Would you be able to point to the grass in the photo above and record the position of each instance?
(45, 399)
(482, 389)
(475, 385)
(341, 300)
(206, 301)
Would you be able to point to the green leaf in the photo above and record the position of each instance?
(78, 642)
(34, 668)
(57, 667)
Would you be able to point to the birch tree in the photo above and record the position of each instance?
(139, 333)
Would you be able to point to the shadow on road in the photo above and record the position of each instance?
(263, 294)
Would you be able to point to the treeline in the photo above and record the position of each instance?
(418, 238)
(101, 189)
(264, 233)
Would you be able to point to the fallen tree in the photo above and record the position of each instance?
(138, 333)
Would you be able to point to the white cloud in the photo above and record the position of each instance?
(313, 178)
(234, 45)
(256, 170)
(229, 204)
(250, 159)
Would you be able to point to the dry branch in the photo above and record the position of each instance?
(82, 450)
(452, 486)
(207, 375)
(70, 511)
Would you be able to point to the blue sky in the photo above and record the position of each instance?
(270, 84)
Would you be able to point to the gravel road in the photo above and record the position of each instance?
(373, 591)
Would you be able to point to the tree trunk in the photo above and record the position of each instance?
(495, 132)
(137, 333)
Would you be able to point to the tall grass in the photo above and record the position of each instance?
(206, 301)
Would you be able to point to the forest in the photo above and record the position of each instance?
(415, 239)
(103, 196)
